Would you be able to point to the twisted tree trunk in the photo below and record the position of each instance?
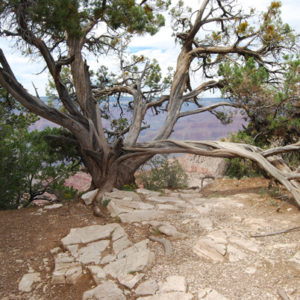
(230, 150)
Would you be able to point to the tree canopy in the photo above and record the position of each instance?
(246, 47)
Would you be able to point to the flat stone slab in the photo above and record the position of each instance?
(121, 244)
(174, 284)
(208, 249)
(141, 215)
(66, 270)
(167, 207)
(89, 234)
(106, 290)
(149, 287)
(53, 206)
(130, 260)
(245, 244)
(170, 230)
(161, 199)
(130, 280)
(92, 252)
(27, 281)
(235, 254)
(126, 195)
(97, 273)
(296, 260)
(169, 296)
(210, 294)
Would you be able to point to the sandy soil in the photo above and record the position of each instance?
(26, 238)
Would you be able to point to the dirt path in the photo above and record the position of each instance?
(225, 214)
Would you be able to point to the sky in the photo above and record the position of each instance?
(160, 46)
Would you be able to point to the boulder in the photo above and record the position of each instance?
(206, 166)
(89, 196)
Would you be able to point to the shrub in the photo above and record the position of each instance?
(239, 168)
(163, 174)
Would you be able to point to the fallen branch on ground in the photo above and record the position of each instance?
(277, 232)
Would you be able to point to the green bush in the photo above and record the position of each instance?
(163, 174)
(239, 168)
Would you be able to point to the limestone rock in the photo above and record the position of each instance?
(210, 294)
(89, 196)
(89, 234)
(118, 233)
(205, 223)
(126, 195)
(235, 254)
(174, 284)
(92, 252)
(246, 244)
(121, 244)
(27, 281)
(135, 248)
(114, 209)
(107, 259)
(66, 269)
(147, 192)
(171, 231)
(160, 199)
(169, 296)
(209, 249)
(97, 273)
(167, 207)
(53, 206)
(296, 260)
(106, 290)
(133, 259)
(148, 287)
(130, 280)
(141, 215)
(211, 166)
(73, 274)
(250, 270)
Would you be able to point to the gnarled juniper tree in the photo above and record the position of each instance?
(64, 32)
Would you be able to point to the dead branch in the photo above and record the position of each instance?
(225, 150)
(277, 232)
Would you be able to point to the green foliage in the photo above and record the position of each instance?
(239, 168)
(163, 174)
(105, 202)
(272, 111)
(56, 17)
(129, 187)
(28, 165)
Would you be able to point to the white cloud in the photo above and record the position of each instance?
(160, 46)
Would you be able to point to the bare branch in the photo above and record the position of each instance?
(203, 109)
(279, 150)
